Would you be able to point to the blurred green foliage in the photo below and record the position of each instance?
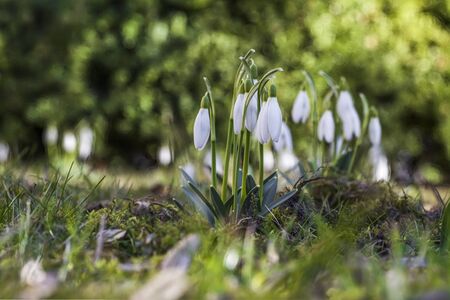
(133, 69)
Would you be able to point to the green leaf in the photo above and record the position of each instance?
(274, 204)
(200, 205)
(217, 202)
(344, 161)
(269, 191)
(250, 183)
(187, 177)
(445, 229)
(270, 177)
(203, 198)
(302, 169)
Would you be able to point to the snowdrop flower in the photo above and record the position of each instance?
(287, 160)
(164, 155)
(269, 120)
(301, 108)
(351, 124)
(86, 142)
(69, 142)
(344, 104)
(4, 152)
(251, 115)
(51, 135)
(325, 131)
(285, 141)
(380, 164)
(208, 164)
(202, 126)
(238, 112)
(375, 131)
(269, 161)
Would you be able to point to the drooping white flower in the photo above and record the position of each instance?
(380, 164)
(251, 115)
(274, 118)
(375, 131)
(207, 162)
(269, 161)
(301, 108)
(202, 129)
(51, 135)
(344, 104)
(238, 112)
(285, 140)
(69, 142)
(286, 160)
(164, 155)
(86, 142)
(325, 132)
(351, 124)
(262, 131)
(4, 151)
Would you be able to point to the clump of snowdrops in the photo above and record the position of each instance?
(255, 116)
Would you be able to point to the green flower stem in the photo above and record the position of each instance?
(230, 136)
(245, 164)
(227, 159)
(358, 142)
(315, 118)
(212, 119)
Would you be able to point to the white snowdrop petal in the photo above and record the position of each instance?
(263, 135)
(375, 131)
(286, 161)
(301, 108)
(252, 113)
(274, 118)
(326, 127)
(344, 104)
(238, 113)
(201, 129)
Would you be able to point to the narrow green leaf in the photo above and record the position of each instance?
(269, 191)
(217, 202)
(274, 204)
(270, 177)
(203, 198)
(250, 183)
(200, 205)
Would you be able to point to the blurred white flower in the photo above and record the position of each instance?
(86, 142)
(380, 164)
(202, 129)
(231, 259)
(269, 161)
(69, 142)
(51, 135)
(32, 273)
(344, 104)
(286, 160)
(252, 113)
(301, 108)
(238, 112)
(285, 140)
(4, 151)
(208, 164)
(269, 121)
(351, 124)
(375, 131)
(164, 155)
(325, 131)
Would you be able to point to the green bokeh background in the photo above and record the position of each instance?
(133, 69)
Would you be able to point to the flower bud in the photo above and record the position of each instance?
(325, 131)
(202, 128)
(301, 108)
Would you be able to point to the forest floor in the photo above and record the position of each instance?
(78, 234)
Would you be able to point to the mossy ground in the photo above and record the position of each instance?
(339, 239)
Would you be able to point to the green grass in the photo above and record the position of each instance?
(339, 239)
